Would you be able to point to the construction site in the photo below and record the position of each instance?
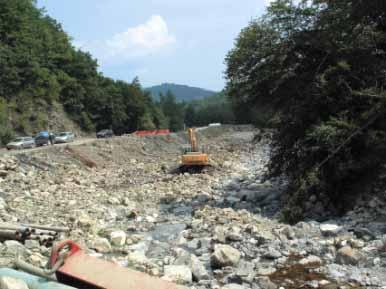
(130, 212)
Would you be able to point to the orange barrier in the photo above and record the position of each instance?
(152, 132)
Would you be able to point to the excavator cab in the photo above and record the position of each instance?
(192, 156)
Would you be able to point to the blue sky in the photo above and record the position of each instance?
(180, 41)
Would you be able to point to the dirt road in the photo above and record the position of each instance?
(78, 141)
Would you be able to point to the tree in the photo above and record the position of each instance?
(318, 68)
(173, 111)
(40, 69)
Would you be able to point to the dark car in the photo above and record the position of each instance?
(42, 138)
(105, 133)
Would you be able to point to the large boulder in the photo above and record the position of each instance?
(198, 269)
(178, 273)
(101, 245)
(225, 255)
(118, 238)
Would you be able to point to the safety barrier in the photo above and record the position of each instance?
(152, 132)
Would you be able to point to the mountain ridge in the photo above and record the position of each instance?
(181, 91)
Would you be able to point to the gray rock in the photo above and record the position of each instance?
(220, 234)
(348, 256)
(310, 260)
(266, 283)
(330, 229)
(137, 258)
(198, 269)
(31, 244)
(272, 254)
(234, 234)
(3, 204)
(265, 270)
(118, 238)
(225, 255)
(12, 283)
(101, 245)
(177, 273)
(14, 247)
(245, 268)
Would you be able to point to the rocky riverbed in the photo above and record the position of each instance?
(124, 202)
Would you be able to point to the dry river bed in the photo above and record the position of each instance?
(124, 202)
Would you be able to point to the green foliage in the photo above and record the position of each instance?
(6, 133)
(214, 109)
(39, 67)
(318, 68)
(173, 111)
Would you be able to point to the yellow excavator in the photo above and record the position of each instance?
(192, 156)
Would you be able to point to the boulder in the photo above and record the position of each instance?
(348, 256)
(225, 255)
(101, 245)
(14, 247)
(198, 269)
(138, 258)
(310, 260)
(178, 274)
(118, 238)
(266, 283)
(330, 229)
(234, 234)
(272, 254)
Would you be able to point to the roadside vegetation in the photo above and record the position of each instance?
(315, 71)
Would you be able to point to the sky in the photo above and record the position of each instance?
(178, 41)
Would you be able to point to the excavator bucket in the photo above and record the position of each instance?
(195, 159)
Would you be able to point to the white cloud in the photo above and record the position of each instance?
(142, 40)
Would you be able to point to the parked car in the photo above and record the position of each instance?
(21, 143)
(105, 133)
(42, 138)
(64, 137)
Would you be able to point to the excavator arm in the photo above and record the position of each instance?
(192, 140)
(194, 157)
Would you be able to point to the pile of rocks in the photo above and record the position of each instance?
(212, 230)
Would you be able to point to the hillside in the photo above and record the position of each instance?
(42, 74)
(182, 92)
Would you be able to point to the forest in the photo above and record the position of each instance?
(39, 68)
(315, 72)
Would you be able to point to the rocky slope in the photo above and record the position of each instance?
(219, 229)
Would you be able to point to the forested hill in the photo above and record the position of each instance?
(182, 92)
(42, 73)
